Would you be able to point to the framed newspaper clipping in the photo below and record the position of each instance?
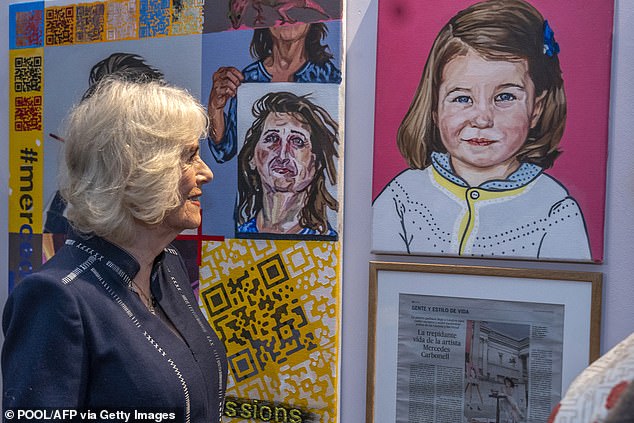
(478, 344)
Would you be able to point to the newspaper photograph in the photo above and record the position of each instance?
(477, 360)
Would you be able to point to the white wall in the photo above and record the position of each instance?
(618, 268)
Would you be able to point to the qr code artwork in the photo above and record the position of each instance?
(27, 74)
(90, 23)
(123, 19)
(58, 25)
(28, 113)
(154, 18)
(275, 305)
(187, 17)
(28, 28)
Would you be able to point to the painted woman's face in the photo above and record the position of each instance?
(485, 111)
(283, 155)
(290, 32)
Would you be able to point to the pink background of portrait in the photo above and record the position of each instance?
(583, 29)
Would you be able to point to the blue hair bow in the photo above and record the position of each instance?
(550, 45)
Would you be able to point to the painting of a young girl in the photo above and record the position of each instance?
(485, 122)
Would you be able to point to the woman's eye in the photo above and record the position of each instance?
(192, 157)
(505, 97)
(464, 99)
(271, 138)
(298, 142)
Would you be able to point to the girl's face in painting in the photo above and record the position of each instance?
(284, 156)
(485, 111)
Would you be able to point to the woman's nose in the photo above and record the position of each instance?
(285, 149)
(204, 172)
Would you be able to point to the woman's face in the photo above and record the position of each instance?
(283, 155)
(195, 174)
(485, 111)
(291, 32)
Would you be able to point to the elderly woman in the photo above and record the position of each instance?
(288, 153)
(110, 321)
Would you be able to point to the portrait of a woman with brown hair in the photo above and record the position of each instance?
(285, 167)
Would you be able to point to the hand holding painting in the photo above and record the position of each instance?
(485, 122)
(286, 53)
(226, 81)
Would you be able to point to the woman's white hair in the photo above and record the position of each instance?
(124, 152)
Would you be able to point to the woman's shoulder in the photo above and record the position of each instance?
(60, 271)
(250, 226)
(46, 292)
(333, 71)
(42, 281)
(69, 273)
(256, 72)
(325, 72)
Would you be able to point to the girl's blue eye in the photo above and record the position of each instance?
(505, 97)
(464, 99)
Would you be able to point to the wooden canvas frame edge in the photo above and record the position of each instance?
(595, 278)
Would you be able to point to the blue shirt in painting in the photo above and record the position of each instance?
(251, 226)
(226, 149)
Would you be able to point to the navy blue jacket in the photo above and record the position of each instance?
(76, 336)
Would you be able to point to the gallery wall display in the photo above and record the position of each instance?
(266, 261)
(469, 343)
(491, 128)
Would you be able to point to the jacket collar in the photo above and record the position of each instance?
(113, 256)
(525, 174)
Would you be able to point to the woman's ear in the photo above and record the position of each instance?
(252, 164)
(538, 109)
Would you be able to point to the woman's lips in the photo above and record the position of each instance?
(479, 141)
(195, 198)
(284, 169)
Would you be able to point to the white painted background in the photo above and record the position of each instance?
(618, 267)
